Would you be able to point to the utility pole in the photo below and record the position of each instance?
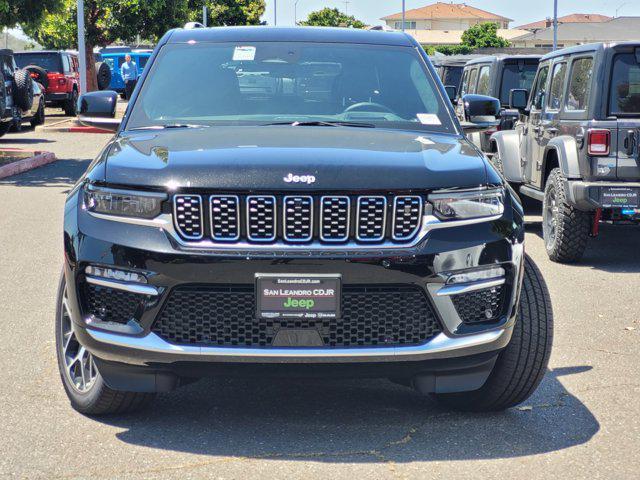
(204, 15)
(82, 54)
(404, 9)
(555, 25)
(346, 7)
(295, 13)
(275, 12)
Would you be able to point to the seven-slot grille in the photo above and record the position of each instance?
(225, 217)
(298, 218)
(188, 216)
(257, 218)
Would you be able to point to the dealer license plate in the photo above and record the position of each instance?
(612, 197)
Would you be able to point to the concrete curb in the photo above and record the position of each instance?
(38, 159)
(72, 127)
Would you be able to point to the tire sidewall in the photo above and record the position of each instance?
(551, 187)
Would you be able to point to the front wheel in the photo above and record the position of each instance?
(71, 105)
(39, 118)
(522, 364)
(565, 229)
(81, 379)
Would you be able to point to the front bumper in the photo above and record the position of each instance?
(150, 250)
(587, 196)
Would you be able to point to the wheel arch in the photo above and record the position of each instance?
(507, 146)
(560, 152)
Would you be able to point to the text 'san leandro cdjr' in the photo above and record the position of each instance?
(296, 202)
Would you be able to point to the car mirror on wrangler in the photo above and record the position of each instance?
(98, 109)
(518, 99)
(452, 92)
(480, 112)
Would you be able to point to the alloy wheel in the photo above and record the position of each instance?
(79, 366)
(550, 217)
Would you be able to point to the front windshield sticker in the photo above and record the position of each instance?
(244, 54)
(428, 119)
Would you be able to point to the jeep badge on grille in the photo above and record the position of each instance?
(308, 179)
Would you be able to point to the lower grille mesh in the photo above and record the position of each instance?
(225, 316)
(480, 306)
(111, 305)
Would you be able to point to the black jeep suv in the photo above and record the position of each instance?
(295, 202)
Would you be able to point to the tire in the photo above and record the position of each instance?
(39, 117)
(40, 75)
(90, 396)
(3, 97)
(5, 127)
(522, 364)
(70, 106)
(103, 75)
(22, 90)
(564, 228)
(16, 125)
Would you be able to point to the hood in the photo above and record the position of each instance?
(259, 158)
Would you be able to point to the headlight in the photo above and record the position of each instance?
(123, 203)
(461, 205)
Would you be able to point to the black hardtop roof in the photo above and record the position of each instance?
(501, 57)
(290, 34)
(6, 51)
(588, 47)
(39, 52)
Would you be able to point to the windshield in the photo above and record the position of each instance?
(270, 82)
(625, 86)
(517, 75)
(49, 61)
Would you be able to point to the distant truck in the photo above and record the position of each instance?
(576, 147)
(115, 59)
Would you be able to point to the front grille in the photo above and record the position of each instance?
(257, 218)
(480, 306)
(109, 304)
(188, 216)
(225, 317)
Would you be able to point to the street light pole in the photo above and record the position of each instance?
(403, 13)
(555, 25)
(295, 13)
(204, 15)
(82, 54)
(275, 12)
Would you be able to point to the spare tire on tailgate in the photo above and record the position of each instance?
(39, 74)
(103, 74)
(22, 89)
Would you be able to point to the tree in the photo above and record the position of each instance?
(228, 12)
(13, 12)
(331, 17)
(483, 35)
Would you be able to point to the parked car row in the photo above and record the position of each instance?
(567, 134)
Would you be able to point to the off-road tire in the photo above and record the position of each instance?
(520, 367)
(572, 226)
(5, 127)
(99, 399)
(16, 125)
(3, 97)
(39, 117)
(103, 75)
(22, 90)
(40, 75)
(70, 106)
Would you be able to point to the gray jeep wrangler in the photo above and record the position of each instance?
(575, 147)
(16, 91)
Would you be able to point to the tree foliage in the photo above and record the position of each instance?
(331, 17)
(483, 35)
(13, 12)
(228, 12)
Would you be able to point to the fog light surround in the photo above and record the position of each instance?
(492, 273)
(115, 274)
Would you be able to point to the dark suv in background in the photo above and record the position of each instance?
(16, 93)
(295, 201)
(496, 76)
(576, 148)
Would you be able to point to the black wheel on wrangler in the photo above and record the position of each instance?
(522, 364)
(81, 379)
(71, 105)
(39, 118)
(565, 229)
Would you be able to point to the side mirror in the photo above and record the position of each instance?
(480, 113)
(518, 98)
(98, 109)
(452, 92)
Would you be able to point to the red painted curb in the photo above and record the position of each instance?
(41, 158)
(87, 130)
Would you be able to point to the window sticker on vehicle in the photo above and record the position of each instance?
(244, 54)
(428, 119)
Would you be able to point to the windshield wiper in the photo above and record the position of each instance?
(323, 123)
(169, 125)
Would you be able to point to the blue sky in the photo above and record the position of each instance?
(522, 11)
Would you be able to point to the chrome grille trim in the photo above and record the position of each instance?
(286, 219)
(395, 220)
(236, 201)
(376, 238)
(347, 226)
(250, 221)
(176, 216)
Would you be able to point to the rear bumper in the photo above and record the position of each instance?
(586, 196)
(57, 97)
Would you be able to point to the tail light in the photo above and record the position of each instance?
(62, 81)
(598, 142)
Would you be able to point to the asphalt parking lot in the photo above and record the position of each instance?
(583, 422)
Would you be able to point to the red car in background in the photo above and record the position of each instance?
(58, 72)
